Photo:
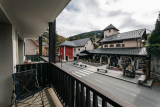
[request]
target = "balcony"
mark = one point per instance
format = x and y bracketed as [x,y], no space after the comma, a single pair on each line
[71,90]
[21,19]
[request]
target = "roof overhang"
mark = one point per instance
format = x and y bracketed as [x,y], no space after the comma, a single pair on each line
[31,17]
[132,51]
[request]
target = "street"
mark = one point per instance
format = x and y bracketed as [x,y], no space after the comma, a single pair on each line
[139,96]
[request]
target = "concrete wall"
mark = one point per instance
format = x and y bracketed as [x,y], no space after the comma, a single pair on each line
[30,47]
[155,64]
[6,64]
[107,33]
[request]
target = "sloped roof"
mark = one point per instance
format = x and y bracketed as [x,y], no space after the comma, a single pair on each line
[81,42]
[110,27]
[68,43]
[75,43]
[121,51]
[126,35]
[86,51]
[35,42]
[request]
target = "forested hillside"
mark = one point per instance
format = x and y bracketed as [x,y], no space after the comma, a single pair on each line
[94,35]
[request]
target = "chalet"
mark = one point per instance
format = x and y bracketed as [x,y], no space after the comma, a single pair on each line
[69,50]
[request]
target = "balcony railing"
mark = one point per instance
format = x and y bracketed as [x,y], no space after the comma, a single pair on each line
[33,58]
[42,71]
[71,90]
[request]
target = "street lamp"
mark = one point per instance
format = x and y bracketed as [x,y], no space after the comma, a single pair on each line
[61,59]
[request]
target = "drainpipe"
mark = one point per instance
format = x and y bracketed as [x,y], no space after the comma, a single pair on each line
[64,53]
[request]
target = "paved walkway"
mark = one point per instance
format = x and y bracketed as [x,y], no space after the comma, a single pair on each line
[111,73]
[115,74]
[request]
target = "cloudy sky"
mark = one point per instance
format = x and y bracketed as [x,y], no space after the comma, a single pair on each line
[87,15]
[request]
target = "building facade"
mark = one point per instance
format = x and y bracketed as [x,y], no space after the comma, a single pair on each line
[113,39]
[70,50]
[66,53]
[81,45]
[66,50]
[118,49]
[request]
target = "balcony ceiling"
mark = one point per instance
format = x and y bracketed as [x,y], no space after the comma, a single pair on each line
[31,17]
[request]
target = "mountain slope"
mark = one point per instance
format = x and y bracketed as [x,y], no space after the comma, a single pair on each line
[94,35]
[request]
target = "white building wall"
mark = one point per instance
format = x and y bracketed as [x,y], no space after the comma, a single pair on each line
[107,33]
[8,59]
[7,62]
[89,46]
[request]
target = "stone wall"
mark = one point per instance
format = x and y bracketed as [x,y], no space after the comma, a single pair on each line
[155,67]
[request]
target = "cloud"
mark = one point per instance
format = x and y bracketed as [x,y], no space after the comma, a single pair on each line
[109,2]
[133,24]
[87,15]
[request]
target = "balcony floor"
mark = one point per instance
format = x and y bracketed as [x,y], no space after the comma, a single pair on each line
[37,103]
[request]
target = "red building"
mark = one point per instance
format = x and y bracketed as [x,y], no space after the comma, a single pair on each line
[66,50]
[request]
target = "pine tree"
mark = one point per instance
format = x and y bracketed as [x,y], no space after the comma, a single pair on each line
[154,41]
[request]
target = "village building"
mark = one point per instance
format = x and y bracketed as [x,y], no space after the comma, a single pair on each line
[32,47]
[66,50]
[70,50]
[118,49]
[81,45]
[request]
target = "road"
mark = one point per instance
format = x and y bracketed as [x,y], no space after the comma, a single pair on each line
[139,96]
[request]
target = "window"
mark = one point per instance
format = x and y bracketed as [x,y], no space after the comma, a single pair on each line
[123,45]
[105,46]
[118,45]
[74,49]
[109,30]
[85,48]
[111,45]
[78,49]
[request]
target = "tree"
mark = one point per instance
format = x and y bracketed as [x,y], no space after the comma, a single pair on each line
[59,39]
[154,40]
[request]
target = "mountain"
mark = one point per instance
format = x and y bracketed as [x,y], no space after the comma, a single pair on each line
[94,35]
